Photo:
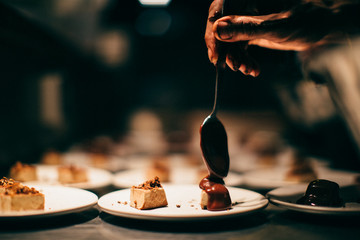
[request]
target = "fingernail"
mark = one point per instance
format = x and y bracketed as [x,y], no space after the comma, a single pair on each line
[223,30]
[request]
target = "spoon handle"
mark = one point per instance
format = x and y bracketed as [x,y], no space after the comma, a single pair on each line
[220,66]
[220,70]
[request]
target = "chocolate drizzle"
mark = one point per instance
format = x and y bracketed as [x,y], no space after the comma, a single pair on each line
[215,154]
[218,195]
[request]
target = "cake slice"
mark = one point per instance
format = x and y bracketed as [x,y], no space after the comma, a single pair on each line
[301,171]
[72,174]
[14,196]
[148,195]
[52,157]
[159,167]
[204,199]
[23,172]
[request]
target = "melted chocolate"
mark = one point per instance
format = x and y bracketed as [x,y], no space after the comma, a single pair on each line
[218,195]
[214,148]
[322,193]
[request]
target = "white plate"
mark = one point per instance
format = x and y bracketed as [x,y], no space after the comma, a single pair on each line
[97,178]
[275,177]
[58,201]
[181,175]
[188,197]
[286,197]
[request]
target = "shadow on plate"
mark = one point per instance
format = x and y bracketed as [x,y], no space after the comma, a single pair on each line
[198,226]
[51,222]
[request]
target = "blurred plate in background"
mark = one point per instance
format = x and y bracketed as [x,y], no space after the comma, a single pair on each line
[134,177]
[271,178]
[97,178]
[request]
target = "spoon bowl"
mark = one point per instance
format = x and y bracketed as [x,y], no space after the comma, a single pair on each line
[213,142]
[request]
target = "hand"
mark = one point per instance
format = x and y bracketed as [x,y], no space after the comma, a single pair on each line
[238,61]
[299,26]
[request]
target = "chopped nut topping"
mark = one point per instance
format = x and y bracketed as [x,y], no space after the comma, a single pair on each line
[150,184]
[11,187]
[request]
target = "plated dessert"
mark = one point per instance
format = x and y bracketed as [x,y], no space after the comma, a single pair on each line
[72,174]
[322,192]
[320,196]
[65,174]
[23,172]
[183,204]
[14,196]
[148,195]
[52,157]
[300,170]
[159,167]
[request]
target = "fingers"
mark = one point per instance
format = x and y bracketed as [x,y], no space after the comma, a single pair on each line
[275,31]
[238,59]
[210,41]
[240,28]
[290,46]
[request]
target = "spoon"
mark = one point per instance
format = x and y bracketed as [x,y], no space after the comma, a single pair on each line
[213,137]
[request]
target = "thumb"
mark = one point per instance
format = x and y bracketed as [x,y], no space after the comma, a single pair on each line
[234,28]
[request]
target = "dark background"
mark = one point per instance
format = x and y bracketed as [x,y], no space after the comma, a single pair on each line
[165,70]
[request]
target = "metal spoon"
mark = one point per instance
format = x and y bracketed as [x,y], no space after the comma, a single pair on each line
[213,137]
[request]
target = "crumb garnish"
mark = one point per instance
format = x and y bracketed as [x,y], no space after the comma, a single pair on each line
[236,203]
[150,184]
[123,203]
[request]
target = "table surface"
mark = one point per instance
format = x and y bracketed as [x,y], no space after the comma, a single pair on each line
[270,223]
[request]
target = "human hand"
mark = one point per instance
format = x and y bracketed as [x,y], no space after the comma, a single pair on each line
[236,54]
[301,25]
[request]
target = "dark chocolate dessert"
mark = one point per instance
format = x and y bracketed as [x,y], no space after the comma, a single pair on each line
[322,193]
